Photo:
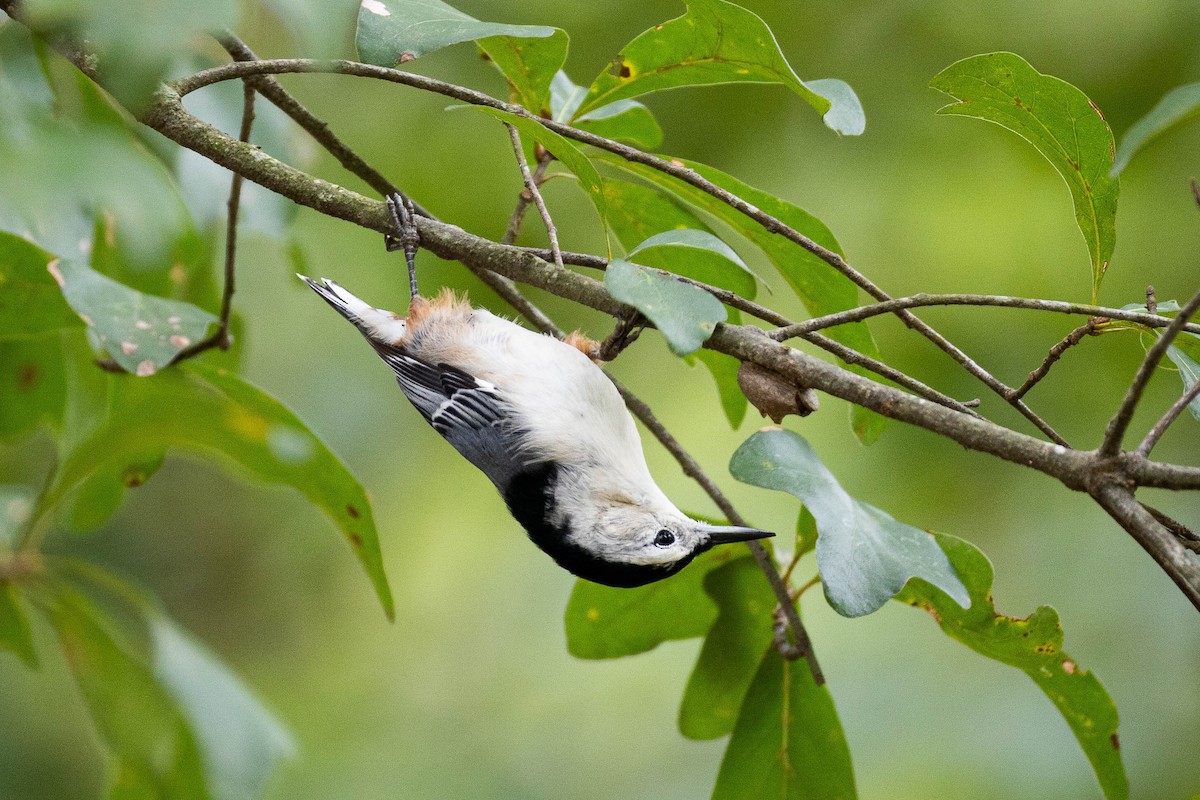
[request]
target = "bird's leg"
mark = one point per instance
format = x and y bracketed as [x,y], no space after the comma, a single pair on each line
[629,327]
[404,235]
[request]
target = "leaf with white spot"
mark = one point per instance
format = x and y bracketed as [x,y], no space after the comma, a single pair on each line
[141,332]
[865,557]
[686,315]
[392,32]
[198,407]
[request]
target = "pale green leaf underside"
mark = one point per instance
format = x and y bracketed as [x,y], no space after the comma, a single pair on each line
[1189,373]
[1179,104]
[394,31]
[625,120]
[864,555]
[1056,118]
[685,315]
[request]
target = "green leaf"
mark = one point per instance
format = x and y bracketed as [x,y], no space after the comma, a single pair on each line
[30,300]
[1034,645]
[392,32]
[625,120]
[607,622]
[732,650]
[199,407]
[1180,104]
[32,387]
[724,370]
[14,627]
[562,149]
[240,741]
[1189,372]
[822,289]
[685,315]
[865,557]
[157,755]
[639,215]
[1056,118]
[806,532]
[141,332]
[788,742]
[529,65]
[716,42]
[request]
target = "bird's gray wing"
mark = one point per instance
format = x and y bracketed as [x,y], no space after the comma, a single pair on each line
[470,413]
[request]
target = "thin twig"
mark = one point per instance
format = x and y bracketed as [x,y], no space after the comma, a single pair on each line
[220,337]
[531,187]
[1184,534]
[1169,417]
[1117,426]
[1000,301]
[524,198]
[1073,338]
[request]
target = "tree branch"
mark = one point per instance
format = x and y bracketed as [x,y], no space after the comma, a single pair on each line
[770,223]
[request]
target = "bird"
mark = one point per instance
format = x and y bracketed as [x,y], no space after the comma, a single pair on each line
[542,421]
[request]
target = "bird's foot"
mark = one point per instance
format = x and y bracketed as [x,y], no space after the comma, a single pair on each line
[629,328]
[405,235]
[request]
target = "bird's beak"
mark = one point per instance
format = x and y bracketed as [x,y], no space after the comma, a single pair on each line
[723,534]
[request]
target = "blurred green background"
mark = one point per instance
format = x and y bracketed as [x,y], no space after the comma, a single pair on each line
[471,693]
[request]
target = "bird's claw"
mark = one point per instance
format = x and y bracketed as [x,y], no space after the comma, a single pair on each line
[405,235]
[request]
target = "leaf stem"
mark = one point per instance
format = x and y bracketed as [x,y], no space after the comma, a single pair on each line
[220,337]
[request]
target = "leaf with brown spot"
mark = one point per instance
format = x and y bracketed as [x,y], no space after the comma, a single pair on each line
[32,388]
[1032,645]
[140,331]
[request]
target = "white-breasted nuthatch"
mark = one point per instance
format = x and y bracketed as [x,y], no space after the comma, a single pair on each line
[547,427]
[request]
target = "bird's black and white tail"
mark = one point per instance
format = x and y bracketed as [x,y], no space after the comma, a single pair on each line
[379,326]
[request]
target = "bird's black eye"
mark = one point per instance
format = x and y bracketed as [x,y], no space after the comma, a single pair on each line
[664,538]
